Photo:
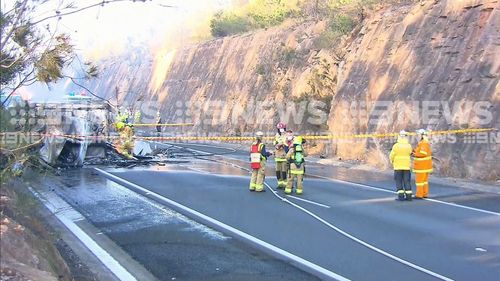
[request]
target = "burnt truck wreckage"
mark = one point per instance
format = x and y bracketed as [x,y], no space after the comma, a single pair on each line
[73,135]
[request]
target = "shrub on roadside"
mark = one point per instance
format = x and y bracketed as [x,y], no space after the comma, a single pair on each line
[256,14]
[224,24]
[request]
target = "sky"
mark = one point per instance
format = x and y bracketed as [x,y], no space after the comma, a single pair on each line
[111,29]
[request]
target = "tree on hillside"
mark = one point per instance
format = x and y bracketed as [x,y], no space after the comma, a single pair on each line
[31,47]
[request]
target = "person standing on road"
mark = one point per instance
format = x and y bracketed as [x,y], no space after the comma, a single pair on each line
[158,123]
[258,159]
[280,155]
[295,157]
[422,164]
[401,160]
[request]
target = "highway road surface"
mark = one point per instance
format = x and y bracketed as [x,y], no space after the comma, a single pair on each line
[346,225]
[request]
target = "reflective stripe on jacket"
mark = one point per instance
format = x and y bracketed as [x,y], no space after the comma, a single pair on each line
[422,161]
[280,144]
[400,154]
[262,150]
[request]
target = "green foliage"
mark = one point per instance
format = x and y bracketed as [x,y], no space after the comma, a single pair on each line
[224,24]
[265,13]
[338,26]
[33,51]
[51,63]
[261,69]
[336,4]
[342,17]
[15,66]
[92,70]
[342,24]
[5,118]
[256,14]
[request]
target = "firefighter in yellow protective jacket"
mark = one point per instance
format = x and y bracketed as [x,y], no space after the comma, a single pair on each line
[422,164]
[125,144]
[280,144]
[296,157]
[258,159]
[401,160]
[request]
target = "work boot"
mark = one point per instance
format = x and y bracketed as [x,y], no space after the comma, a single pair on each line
[408,195]
[401,195]
[281,184]
[278,178]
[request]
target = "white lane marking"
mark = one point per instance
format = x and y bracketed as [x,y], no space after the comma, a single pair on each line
[355,239]
[366,244]
[354,184]
[233,230]
[113,265]
[426,199]
[462,206]
[359,240]
[376,188]
[378,250]
[309,201]
[205,145]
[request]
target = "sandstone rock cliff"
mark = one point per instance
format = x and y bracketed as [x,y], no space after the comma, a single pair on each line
[438,57]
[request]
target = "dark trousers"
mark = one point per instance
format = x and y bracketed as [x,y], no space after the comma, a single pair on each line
[403,183]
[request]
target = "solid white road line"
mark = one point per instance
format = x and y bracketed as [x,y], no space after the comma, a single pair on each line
[462,206]
[366,244]
[309,201]
[354,184]
[201,144]
[361,241]
[193,213]
[392,192]
[381,190]
[113,265]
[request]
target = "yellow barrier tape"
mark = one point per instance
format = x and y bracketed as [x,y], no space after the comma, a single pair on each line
[229,138]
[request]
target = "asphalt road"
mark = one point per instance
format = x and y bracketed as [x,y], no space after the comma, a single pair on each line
[442,190]
[167,244]
[355,230]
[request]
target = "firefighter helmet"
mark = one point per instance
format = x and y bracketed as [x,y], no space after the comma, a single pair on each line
[281,125]
[298,140]
[422,132]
